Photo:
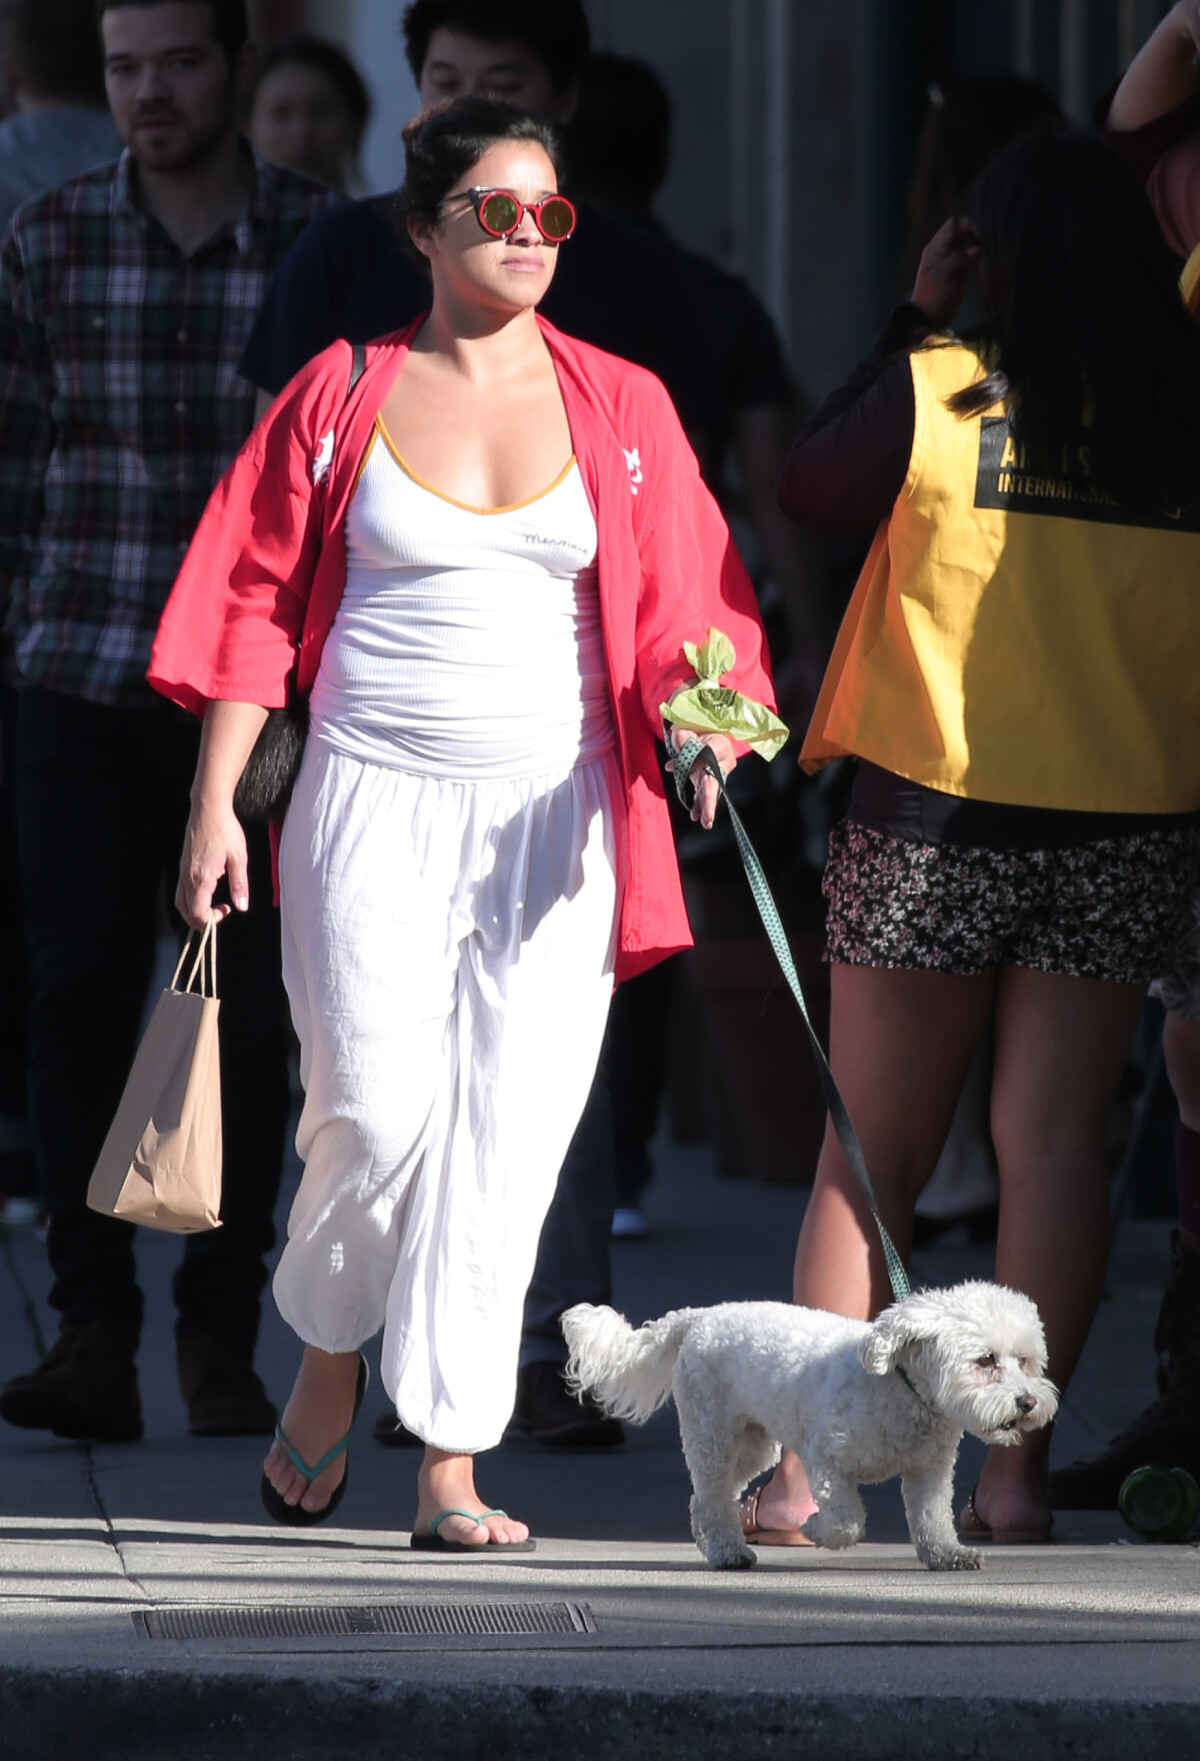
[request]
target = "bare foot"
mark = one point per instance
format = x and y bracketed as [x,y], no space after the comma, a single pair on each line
[447,1482]
[785,1501]
[1011,1493]
[319,1411]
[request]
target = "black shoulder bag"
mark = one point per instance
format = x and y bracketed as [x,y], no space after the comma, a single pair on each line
[265,785]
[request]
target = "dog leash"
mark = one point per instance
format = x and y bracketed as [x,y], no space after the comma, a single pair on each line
[688,756]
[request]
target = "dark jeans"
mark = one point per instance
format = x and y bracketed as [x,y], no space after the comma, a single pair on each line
[102,800]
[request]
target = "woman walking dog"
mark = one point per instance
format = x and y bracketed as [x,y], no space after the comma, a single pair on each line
[1017,676]
[487,556]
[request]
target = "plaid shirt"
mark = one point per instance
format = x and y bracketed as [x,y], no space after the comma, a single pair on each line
[122,405]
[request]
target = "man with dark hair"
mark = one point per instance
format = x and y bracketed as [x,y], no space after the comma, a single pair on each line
[230,26]
[50,62]
[552,34]
[351,276]
[126,297]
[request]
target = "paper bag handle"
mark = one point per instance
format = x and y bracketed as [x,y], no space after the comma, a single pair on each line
[208,943]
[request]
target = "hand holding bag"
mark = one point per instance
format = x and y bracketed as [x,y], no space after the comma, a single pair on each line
[161,1161]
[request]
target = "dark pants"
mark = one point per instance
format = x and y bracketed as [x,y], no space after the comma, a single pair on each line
[573,1261]
[637,1057]
[102,801]
[14,992]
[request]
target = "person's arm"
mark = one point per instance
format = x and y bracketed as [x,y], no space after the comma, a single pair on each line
[214,843]
[692,580]
[761,438]
[1152,121]
[849,461]
[27,430]
[233,621]
[1162,75]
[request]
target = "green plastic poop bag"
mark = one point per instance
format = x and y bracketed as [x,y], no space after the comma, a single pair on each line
[708,707]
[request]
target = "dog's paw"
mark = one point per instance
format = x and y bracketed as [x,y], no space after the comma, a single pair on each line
[952,1559]
[830,1534]
[730,1556]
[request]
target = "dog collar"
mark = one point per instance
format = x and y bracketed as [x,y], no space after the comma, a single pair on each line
[907,1380]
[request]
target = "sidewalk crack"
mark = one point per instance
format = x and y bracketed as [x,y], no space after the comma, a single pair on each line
[91,1474]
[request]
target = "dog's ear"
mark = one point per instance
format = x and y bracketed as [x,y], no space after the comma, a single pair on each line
[879,1349]
[895,1329]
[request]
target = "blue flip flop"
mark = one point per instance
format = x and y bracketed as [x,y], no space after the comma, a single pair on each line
[294,1515]
[435,1543]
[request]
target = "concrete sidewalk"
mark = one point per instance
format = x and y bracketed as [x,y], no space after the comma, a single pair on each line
[614,1638]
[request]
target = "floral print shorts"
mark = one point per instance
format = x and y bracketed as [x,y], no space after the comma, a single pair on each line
[1114,909]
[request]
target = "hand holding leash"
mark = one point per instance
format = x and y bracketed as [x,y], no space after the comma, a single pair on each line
[706,790]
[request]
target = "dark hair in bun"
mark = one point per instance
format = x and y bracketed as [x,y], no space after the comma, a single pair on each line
[446,140]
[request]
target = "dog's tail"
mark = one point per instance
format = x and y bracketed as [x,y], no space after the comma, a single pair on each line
[627,1371]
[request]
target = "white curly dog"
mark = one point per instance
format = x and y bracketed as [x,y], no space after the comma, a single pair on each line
[857,1401]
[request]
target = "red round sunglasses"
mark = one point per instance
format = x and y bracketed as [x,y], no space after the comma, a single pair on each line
[500,212]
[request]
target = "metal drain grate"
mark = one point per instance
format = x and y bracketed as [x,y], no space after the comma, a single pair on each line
[450,1620]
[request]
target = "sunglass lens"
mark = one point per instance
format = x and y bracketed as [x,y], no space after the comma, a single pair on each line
[499,212]
[558,218]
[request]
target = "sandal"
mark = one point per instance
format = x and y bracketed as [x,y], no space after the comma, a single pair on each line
[748,1512]
[294,1515]
[972,1527]
[491,1549]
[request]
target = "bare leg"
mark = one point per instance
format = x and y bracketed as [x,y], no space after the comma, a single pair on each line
[447,1482]
[1181,1048]
[900,1046]
[1061,1044]
[318,1412]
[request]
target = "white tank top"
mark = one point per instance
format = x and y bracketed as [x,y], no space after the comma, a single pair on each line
[468,640]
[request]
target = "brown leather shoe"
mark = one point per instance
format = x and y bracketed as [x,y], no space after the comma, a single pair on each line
[85,1387]
[223,1395]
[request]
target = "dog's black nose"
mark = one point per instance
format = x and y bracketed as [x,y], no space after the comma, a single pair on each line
[1025,1403]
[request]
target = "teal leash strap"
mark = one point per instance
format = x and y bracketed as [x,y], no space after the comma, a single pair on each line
[696,751]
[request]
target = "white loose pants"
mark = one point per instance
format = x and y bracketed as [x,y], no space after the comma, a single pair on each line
[448,953]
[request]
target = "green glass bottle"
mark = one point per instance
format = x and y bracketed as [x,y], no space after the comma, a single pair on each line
[1160,1503]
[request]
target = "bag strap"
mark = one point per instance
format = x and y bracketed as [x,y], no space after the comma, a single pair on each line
[688,756]
[207,945]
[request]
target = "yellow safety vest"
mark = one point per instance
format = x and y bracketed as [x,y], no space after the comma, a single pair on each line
[1015,636]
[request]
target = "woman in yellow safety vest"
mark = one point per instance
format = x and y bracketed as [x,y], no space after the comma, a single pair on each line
[1018,675]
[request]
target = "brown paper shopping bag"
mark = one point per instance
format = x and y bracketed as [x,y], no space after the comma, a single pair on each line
[161,1161]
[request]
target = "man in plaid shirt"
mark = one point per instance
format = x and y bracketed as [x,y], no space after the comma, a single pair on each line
[126,298]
